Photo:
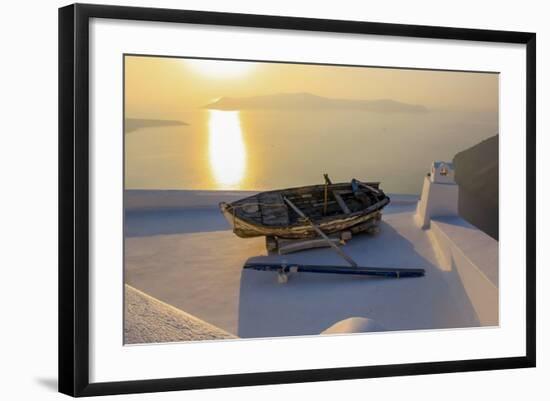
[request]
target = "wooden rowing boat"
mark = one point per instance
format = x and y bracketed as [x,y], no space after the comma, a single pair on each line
[331,207]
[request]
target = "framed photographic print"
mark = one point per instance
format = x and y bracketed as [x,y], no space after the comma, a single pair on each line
[250,199]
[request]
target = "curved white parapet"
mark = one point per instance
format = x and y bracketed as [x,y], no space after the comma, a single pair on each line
[473,255]
[354,325]
[461,248]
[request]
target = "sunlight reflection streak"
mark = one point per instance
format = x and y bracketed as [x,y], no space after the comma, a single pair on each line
[227,149]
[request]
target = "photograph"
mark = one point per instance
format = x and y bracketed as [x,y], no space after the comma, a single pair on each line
[280,199]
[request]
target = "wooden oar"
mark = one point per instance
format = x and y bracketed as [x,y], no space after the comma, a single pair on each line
[321,233]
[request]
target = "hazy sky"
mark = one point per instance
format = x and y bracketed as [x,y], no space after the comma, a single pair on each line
[163,87]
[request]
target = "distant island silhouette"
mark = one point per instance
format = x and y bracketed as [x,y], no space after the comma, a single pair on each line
[309,101]
[134,124]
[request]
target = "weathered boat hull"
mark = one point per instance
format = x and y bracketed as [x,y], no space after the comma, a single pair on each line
[246,228]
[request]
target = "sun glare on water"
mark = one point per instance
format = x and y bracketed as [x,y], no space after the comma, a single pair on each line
[227,150]
[219,69]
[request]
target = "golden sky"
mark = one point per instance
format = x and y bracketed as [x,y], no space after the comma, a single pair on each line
[159,87]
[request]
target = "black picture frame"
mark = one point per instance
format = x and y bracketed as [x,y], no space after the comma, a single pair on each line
[74,198]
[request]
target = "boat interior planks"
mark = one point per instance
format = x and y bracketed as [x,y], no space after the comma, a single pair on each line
[273,209]
[332,207]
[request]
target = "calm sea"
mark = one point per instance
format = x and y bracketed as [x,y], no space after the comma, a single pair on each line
[260,150]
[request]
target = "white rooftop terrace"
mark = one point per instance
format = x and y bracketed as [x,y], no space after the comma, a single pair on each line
[187,256]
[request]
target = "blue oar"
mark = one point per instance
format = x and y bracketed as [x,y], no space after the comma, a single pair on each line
[285,268]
